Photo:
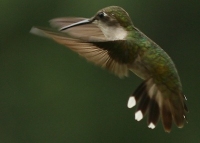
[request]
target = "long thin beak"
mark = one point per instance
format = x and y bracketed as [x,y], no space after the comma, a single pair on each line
[85,21]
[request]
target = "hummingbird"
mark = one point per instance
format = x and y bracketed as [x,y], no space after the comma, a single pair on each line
[110,39]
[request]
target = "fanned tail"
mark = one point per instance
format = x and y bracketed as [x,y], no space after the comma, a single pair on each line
[164,104]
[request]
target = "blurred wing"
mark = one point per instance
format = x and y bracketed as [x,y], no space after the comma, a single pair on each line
[93,49]
[89,29]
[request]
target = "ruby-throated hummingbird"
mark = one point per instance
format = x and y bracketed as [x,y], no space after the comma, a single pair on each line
[110,39]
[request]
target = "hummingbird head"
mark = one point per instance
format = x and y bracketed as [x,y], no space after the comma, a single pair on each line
[113,21]
[114,16]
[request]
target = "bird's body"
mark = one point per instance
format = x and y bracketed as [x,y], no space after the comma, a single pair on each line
[109,39]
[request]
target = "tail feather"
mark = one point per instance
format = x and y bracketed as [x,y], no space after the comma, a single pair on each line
[154,114]
[158,102]
[137,95]
[179,120]
[166,116]
[139,91]
[143,103]
[178,114]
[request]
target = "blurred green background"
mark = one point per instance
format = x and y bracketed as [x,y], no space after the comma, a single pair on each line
[49,94]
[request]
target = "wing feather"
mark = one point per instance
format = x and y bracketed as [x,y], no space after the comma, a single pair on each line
[86,30]
[100,55]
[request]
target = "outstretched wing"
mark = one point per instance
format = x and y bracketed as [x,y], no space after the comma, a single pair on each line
[86,30]
[107,54]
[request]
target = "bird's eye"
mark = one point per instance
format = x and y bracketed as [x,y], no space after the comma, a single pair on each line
[101,14]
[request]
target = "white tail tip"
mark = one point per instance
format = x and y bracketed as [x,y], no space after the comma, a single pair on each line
[151,126]
[138,115]
[131,102]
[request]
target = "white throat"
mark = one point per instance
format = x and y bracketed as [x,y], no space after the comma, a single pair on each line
[112,32]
